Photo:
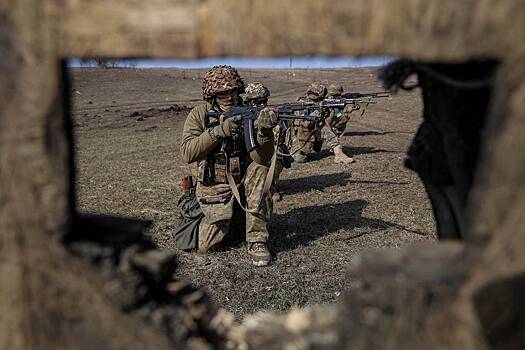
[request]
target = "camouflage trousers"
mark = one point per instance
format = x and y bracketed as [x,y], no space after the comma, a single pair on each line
[306,140]
[219,208]
[279,163]
[282,161]
[331,136]
[279,167]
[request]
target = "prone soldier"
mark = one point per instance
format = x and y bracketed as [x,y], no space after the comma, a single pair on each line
[216,145]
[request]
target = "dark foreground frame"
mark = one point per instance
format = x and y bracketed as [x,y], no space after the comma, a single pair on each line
[49,298]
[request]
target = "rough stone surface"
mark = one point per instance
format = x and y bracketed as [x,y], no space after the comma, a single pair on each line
[139,280]
[440,296]
[452,30]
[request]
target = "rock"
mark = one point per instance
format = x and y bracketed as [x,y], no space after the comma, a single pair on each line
[155,264]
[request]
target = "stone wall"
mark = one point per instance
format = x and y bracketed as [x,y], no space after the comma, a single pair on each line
[49,298]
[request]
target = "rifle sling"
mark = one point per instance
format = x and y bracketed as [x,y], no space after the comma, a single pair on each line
[266,188]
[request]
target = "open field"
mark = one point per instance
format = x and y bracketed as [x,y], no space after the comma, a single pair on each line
[128,124]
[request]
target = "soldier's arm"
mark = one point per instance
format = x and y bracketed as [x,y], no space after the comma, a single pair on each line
[264,151]
[349,108]
[330,119]
[265,125]
[197,141]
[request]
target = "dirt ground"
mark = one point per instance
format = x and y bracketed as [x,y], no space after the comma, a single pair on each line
[128,124]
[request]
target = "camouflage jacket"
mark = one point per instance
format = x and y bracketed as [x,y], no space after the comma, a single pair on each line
[197,142]
[338,118]
[304,123]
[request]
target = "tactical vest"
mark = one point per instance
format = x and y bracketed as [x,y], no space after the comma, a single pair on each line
[212,170]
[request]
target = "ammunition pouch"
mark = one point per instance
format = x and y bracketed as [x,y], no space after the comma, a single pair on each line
[216,202]
[212,170]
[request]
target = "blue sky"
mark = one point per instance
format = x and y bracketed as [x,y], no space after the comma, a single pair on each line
[247,62]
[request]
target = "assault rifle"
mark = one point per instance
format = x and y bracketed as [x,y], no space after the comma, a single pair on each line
[366,94]
[285,112]
[357,99]
[341,103]
[323,106]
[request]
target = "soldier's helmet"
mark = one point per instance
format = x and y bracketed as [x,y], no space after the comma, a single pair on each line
[335,90]
[255,91]
[221,79]
[317,89]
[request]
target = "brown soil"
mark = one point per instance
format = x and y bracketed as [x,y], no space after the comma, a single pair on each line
[128,124]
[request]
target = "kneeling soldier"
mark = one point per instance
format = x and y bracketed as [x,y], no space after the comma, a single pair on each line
[307,134]
[336,125]
[216,145]
[256,95]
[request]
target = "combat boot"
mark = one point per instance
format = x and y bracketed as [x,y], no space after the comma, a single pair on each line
[341,157]
[260,254]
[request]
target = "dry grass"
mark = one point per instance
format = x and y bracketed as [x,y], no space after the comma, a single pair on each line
[128,164]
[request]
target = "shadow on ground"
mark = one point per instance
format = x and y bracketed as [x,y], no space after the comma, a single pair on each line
[374,133]
[314,182]
[322,182]
[366,133]
[301,226]
[351,151]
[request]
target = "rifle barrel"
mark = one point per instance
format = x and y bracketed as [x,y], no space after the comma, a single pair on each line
[367,94]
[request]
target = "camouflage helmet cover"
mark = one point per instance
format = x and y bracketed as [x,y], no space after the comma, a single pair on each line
[317,88]
[221,79]
[254,91]
[335,90]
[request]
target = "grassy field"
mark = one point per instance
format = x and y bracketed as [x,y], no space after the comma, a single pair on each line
[128,124]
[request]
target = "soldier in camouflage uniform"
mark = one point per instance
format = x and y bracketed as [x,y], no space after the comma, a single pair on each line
[309,137]
[256,94]
[205,141]
[335,125]
[307,134]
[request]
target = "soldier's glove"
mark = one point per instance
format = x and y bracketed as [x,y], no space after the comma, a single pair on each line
[230,128]
[266,121]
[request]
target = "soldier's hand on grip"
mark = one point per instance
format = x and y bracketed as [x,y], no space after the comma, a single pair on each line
[266,121]
[230,128]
